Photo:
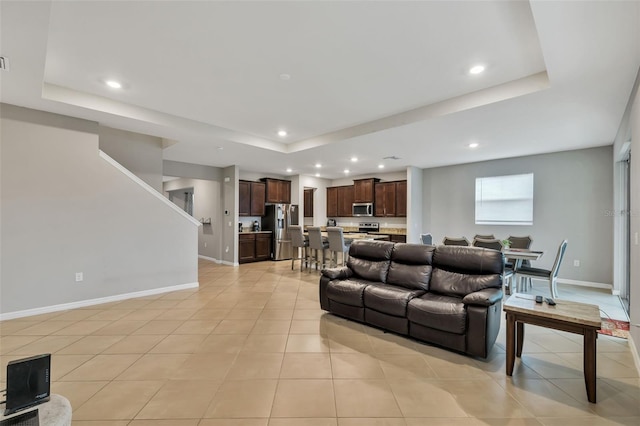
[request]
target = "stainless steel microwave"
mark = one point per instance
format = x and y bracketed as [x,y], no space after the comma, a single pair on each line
[362,209]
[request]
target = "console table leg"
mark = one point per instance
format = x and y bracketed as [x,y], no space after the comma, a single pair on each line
[590,364]
[519,338]
[511,344]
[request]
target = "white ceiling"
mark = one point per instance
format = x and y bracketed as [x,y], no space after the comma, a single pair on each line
[370,79]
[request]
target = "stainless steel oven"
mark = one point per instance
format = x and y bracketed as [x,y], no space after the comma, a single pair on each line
[362,209]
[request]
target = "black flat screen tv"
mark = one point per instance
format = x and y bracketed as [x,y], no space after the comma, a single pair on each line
[28,382]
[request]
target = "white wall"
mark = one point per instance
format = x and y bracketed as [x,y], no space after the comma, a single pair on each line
[572,199]
[140,154]
[635,221]
[66,210]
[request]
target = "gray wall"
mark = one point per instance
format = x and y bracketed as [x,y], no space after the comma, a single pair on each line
[66,210]
[206,204]
[140,154]
[572,195]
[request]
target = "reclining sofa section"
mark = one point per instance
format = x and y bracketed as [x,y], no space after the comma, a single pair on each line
[447,295]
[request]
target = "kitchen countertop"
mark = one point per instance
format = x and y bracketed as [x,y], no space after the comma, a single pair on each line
[255,232]
[385,231]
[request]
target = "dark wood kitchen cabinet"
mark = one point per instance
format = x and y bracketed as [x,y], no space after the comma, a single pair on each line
[345,201]
[244,195]
[246,248]
[385,204]
[332,201]
[308,202]
[257,198]
[339,201]
[251,198]
[278,191]
[263,247]
[363,190]
[401,198]
[391,199]
[254,247]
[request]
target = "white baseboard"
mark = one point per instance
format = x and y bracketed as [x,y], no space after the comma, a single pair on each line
[615,292]
[218,261]
[585,283]
[98,301]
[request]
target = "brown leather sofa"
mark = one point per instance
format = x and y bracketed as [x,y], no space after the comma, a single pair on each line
[450,296]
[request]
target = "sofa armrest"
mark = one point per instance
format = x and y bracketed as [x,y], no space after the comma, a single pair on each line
[486,297]
[337,273]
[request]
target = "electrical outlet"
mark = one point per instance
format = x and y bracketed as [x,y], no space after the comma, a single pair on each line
[576,263]
[79,277]
[226,250]
[205,245]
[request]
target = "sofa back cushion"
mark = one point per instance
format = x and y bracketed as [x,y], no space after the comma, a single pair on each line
[370,259]
[411,266]
[458,271]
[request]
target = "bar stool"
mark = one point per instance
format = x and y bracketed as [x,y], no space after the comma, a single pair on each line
[316,243]
[336,245]
[299,246]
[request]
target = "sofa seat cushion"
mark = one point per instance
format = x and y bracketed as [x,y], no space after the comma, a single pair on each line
[348,292]
[445,313]
[389,299]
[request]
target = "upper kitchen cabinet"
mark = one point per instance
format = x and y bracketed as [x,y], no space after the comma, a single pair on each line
[401,198]
[363,190]
[308,202]
[332,201]
[391,199]
[339,201]
[345,201]
[251,198]
[244,195]
[385,204]
[278,191]
[257,198]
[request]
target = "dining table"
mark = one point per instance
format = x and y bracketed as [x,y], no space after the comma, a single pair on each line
[519,256]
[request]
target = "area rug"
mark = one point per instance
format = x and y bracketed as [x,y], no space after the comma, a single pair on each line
[615,328]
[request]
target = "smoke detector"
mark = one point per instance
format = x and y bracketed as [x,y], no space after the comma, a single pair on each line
[4,63]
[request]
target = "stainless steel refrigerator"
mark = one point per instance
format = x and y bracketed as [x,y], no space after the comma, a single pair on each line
[278,218]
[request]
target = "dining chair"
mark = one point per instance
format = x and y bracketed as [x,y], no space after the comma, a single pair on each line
[519,243]
[485,237]
[317,244]
[335,235]
[451,241]
[490,243]
[426,239]
[300,245]
[495,244]
[550,275]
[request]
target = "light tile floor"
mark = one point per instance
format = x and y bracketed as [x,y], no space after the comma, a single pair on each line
[251,347]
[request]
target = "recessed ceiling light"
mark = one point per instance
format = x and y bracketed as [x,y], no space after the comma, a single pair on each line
[220,148]
[113,84]
[474,145]
[346,170]
[289,170]
[285,77]
[282,133]
[317,174]
[381,166]
[477,69]
[318,165]
[354,159]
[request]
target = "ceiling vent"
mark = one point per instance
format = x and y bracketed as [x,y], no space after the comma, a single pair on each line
[4,63]
[391,157]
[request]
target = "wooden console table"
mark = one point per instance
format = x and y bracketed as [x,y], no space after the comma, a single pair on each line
[574,317]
